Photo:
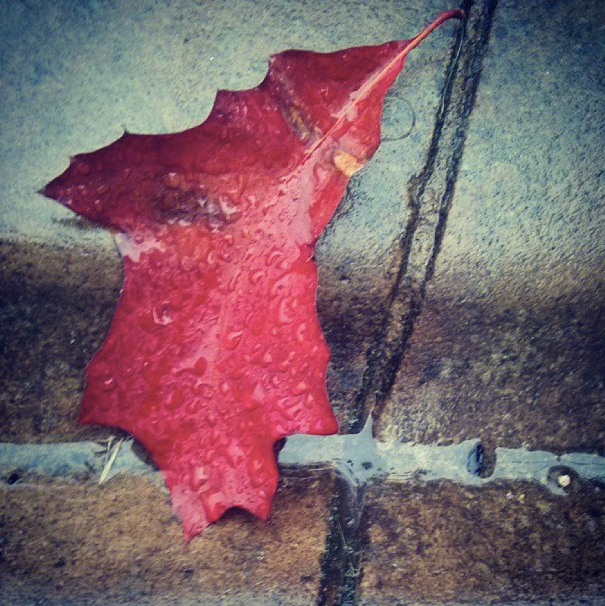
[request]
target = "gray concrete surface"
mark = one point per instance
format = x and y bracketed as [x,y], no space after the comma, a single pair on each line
[510,344]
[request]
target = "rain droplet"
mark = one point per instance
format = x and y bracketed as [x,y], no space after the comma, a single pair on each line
[284,365]
[236,454]
[258,394]
[256,276]
[273,257]
[204,389]
[258,346]
[200,366]
[161,314]
[299,388]
[297,412]
[301,333]
[109,383]
[233,338]
[173,180]
[284,314]
[238,373]
[199,477]
[193,406]
[323,426]
[278,289]
[256,466]
[84,168]
[177,400]
[214,504]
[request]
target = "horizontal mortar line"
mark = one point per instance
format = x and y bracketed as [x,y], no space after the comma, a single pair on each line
[358,457]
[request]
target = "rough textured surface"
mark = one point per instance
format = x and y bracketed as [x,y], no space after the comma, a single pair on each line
[510,543]
[510,344]
[510,368]
[507,345]
[74,543]
[55,307]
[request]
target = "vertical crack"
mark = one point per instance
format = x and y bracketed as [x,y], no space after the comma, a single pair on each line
[430,195]
[341,561]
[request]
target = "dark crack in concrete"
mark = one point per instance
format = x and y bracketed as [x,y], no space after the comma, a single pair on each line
[430,197]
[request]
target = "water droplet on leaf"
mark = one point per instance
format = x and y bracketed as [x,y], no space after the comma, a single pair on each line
[83,168]
[109,383]
[176,400]
[233,338]
[299,388]
[199,477]
[161,314]
[204,390]
[256,276]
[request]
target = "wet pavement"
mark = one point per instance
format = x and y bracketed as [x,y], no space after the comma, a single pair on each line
[461,293]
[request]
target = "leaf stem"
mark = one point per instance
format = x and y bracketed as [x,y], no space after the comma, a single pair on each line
[412,43]
[453,14]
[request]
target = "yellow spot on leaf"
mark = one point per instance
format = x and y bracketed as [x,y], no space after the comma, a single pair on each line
[346,163]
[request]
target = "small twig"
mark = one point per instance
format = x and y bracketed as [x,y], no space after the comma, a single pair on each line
[110,460]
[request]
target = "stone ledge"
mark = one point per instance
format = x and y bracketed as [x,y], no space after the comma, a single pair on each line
[511,542]
[74,543]
[58,303]
[511,367]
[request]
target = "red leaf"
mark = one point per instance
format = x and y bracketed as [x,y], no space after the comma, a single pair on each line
[215,351]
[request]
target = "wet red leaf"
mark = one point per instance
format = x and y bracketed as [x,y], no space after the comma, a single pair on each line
[215,351]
